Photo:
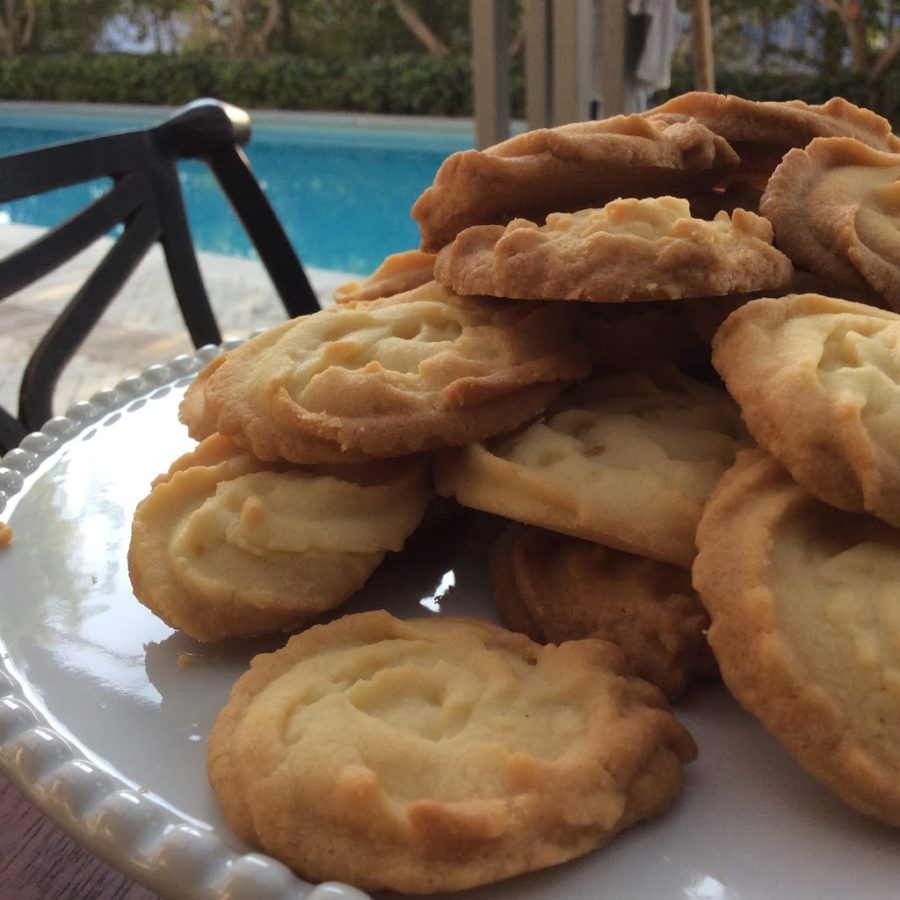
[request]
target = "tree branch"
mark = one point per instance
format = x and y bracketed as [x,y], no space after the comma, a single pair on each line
[411,19]
[263,38]
[853,16]
[30,16]
[888,55]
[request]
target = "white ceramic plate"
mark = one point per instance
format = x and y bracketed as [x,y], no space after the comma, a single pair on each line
[104,711]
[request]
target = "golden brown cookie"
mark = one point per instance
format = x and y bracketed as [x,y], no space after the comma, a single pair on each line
[193,411]
[398,273]
[437,754]
[834,206]
[763,131]
[650,249]
[623,460]
[227,546]
[569,167]
[210,451]
[817,382]
[557,588]
[394,376]
[202,422]
[805,626]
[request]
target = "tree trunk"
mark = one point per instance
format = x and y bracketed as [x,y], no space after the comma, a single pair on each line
[762,51]
[853,17]
[156,28]
[86,29]
[10,28]
[888,55]
[411,19]
[262,40]
[517,44]
[17,26]
[237,28]
[28,29]
[207,25]
[856,37]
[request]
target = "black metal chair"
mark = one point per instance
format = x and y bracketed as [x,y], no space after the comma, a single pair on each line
[146,200]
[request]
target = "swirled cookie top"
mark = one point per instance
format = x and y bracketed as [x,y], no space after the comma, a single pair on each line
[435,734]
[834,206]
[396,375]
[625,460]
[397,273]
[806,625]
[629,249]
[446,702]
[295,512]
[574,166]
[827,572]
[763,131]
[783,122]
[818,383]
[227,546]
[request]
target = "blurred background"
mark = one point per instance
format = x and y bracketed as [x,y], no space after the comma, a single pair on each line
[413,57]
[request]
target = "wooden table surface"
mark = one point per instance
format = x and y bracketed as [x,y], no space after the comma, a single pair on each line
[39,861]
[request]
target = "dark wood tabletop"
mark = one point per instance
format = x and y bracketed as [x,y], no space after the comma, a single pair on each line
[39,861]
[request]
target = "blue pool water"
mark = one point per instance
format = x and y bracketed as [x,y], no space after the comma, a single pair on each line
[343,194]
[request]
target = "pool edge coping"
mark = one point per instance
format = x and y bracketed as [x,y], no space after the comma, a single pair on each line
[266,118]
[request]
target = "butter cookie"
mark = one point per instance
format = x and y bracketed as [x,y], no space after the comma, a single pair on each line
[624,460]
[398,273]
[395,376]
[805,626]
[817,382]
[630,249]
[834,207]
[570,167]
[202,423]
[436,754]
[557,588]
[763,131]
[228,546]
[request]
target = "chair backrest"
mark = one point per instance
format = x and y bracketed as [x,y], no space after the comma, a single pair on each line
[145,199]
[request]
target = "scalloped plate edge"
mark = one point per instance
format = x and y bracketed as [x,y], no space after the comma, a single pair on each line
[121,825]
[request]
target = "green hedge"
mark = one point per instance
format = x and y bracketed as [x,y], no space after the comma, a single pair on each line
[409,84]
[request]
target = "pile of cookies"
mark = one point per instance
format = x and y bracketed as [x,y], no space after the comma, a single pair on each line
[662,347]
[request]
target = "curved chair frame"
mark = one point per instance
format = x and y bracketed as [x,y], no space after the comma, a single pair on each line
[146,200]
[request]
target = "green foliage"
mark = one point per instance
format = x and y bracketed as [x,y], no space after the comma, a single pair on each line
[405,84]
[351,30]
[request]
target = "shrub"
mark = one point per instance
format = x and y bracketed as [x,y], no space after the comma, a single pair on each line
[402,84]
[411,84]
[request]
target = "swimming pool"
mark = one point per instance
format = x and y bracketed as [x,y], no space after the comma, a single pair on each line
[342,186]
